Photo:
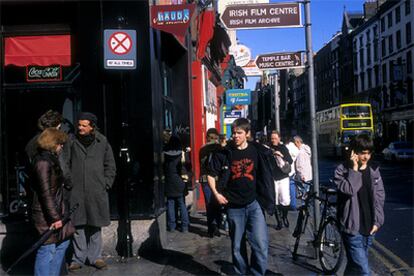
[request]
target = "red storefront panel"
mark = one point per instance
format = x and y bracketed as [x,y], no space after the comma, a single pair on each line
[37,50]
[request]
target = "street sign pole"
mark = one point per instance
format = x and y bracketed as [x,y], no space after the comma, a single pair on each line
[276,95]
[315,168]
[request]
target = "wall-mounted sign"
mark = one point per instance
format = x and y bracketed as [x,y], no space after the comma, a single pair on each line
[256,16]
[120,49]
[279,61]
[43,73]
[238,97]
[251,69]
[231,116]
[241,54]
[173,19]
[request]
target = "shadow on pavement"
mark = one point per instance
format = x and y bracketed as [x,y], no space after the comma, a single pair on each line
[302,261]
[180,261]
[227,269]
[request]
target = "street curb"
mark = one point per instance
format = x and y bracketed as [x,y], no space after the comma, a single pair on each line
[395,265]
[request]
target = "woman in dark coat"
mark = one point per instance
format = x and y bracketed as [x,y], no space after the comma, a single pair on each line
[174,184]
[48,204]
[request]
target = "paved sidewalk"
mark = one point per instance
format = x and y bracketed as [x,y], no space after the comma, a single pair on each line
[194,253]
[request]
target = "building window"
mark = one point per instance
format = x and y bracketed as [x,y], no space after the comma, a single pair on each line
[361,44]
[383,49]
[356,83]
[368,54]
[398,39]
[368,36]
[383,24]
[397,15]
[355,45]
[407,7]
[375,50]
[361,59]
[376,72]
[369,76]
[389,19]
[384,73]
[362,76]
[390,44]
[409,62]
[355,62]
[391,70]
[408,33]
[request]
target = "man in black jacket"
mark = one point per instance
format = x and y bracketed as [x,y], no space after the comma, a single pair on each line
[281,177]
[245,186]
[212,207]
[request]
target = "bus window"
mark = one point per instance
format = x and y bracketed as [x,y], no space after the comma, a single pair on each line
[357,111]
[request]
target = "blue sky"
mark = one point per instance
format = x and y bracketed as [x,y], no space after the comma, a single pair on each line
[326,18]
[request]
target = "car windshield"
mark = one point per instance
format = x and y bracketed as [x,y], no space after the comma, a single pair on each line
[403,145]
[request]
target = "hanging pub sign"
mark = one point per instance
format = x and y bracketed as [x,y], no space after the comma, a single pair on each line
[173,19]
[36,73]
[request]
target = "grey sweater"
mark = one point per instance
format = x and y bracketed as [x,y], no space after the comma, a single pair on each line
[348,183]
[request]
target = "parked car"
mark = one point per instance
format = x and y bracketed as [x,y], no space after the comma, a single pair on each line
[399,151]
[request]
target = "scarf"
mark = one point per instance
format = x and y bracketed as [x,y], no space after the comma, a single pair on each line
[86,140]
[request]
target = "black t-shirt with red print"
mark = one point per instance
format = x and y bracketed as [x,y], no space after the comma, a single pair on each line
[241,189]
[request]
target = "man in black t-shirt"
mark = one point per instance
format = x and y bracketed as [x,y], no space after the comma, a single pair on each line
[245,186]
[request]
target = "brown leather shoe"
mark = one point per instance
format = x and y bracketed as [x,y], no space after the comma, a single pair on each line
[100,264]
[74,267]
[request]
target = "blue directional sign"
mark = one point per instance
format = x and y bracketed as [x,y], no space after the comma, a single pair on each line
[120,49]
[238,97]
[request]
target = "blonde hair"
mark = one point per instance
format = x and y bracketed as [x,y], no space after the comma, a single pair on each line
[50,138]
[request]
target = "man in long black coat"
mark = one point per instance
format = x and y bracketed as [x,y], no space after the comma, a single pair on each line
[93,172]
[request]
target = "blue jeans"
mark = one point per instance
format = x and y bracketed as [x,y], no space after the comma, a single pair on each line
[171,201]
[49,259]
[213,208]
[248,222]
[356,247]
[292,187]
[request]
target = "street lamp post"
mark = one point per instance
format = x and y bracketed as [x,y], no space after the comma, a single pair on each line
[315,167]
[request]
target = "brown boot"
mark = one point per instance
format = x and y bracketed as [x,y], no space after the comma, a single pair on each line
[74,266]
[100,264]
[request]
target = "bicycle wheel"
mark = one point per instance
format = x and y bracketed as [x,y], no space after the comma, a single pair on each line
[331,249]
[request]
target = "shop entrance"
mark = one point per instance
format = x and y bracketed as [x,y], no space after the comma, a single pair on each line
[20,110]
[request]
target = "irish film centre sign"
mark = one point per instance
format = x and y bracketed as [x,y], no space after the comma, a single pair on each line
[279,61]
[256,16]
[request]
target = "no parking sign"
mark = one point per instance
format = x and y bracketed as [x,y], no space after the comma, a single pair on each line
[120,49]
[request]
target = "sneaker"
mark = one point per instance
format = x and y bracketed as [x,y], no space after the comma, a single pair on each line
[74,267]
[100,264]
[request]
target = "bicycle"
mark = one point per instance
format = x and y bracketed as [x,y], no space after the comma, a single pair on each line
[327,240]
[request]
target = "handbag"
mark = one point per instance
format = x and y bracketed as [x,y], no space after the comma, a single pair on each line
[283,165]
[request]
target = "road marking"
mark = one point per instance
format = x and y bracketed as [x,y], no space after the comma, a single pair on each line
[386,263]
[395,265]
[403,209]
[391,255]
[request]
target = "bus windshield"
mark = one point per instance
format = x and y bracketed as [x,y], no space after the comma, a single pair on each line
[348,134]
[356,111]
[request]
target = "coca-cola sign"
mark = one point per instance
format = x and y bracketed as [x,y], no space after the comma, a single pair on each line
[43,73]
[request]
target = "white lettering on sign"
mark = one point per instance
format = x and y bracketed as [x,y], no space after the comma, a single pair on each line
[239,13]
[277,11]
[120,63]
[48,72]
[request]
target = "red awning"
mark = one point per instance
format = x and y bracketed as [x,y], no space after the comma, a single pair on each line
[206,31]
[37,50]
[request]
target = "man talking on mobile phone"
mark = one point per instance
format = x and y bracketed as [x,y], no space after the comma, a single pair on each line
[360,207]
